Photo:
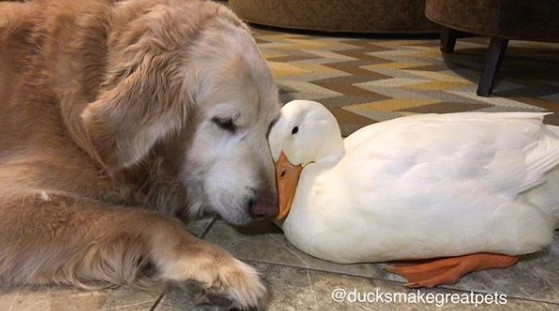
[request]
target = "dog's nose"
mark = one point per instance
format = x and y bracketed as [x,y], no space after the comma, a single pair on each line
[263,206]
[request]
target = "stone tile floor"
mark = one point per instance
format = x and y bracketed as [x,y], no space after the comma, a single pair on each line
[299,282]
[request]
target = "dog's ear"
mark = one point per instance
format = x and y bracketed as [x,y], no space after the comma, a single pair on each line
[142,101]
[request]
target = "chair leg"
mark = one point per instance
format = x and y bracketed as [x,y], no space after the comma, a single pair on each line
[448,39]
[495,55]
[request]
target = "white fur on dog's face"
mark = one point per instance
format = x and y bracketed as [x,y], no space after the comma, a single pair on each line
[228,166]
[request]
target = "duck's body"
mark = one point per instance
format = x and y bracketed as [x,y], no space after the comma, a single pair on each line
[423,186]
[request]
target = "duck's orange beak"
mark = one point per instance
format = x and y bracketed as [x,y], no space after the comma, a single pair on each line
[287,176]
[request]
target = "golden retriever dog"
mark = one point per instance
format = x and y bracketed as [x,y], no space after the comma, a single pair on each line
[117,116]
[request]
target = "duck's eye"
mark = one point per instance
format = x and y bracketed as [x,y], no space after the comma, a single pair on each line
[225,124]
[295,130]
[282,173]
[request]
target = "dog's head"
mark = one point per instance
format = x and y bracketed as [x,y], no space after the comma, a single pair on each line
[188,75]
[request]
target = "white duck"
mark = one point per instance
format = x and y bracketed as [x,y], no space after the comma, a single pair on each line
[482,186]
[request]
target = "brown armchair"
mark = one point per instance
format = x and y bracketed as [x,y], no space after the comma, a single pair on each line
[360,16]
[501,20]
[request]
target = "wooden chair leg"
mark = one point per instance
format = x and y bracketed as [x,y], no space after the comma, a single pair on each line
[448,39]
[495,55]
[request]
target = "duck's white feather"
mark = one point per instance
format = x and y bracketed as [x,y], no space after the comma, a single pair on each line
[509,151]
[432,185]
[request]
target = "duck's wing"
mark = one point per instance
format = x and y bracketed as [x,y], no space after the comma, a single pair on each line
[507,152]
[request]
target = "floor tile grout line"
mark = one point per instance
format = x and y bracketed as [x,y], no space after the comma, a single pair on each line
[156,303]
[392,281]
[320,270]
[208,228]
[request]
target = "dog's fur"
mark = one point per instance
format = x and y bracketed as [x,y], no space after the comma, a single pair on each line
[115,115]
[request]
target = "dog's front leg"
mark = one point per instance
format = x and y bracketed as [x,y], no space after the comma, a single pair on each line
[51,239]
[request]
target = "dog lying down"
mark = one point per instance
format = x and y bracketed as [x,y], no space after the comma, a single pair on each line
[117,116]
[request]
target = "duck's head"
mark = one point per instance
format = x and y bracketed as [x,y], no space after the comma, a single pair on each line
[306,132]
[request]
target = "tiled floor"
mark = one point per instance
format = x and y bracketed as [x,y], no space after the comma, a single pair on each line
[367,80]
[299,282]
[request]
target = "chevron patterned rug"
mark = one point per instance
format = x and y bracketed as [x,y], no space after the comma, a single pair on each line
[364,81]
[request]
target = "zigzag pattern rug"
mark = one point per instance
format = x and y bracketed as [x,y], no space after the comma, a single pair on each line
[365,80]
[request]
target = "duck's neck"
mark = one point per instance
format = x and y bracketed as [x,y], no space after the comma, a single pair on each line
[310,182]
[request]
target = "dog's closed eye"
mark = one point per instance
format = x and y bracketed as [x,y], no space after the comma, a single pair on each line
[226,124]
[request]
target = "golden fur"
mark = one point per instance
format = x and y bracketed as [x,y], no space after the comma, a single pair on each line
[116,115]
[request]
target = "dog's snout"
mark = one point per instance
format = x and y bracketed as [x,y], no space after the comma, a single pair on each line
[263,206]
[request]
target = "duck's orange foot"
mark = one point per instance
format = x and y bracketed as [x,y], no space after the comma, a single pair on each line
[449,270]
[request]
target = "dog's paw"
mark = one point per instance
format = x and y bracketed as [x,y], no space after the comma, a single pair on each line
[228,284]
[238,283]
[219,273]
